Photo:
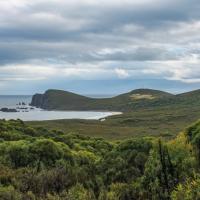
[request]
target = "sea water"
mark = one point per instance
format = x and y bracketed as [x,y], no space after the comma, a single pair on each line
[40,115]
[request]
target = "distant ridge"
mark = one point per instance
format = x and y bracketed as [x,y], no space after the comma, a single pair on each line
[135,99]
[63,100]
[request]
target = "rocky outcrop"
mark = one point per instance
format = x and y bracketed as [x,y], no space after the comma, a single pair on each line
[44,100]
[8,110]
[37,100]
[58,100]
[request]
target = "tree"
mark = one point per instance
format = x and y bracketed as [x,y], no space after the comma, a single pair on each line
[45,151]
[9,193]
[78,192]
[18,154]
[190,190]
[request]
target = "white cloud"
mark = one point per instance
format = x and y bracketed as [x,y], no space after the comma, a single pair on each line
[122,73]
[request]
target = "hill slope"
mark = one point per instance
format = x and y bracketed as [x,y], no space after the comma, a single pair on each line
[145,112]
[131,101]
[61,100]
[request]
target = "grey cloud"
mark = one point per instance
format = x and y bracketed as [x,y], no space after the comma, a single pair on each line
[47,32]
[105,19]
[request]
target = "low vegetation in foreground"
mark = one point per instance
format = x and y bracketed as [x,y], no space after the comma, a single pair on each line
[38,164]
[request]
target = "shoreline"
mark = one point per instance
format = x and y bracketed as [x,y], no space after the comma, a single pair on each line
[45,115]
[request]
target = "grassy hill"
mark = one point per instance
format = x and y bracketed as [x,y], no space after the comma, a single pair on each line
[61,100]
[136,99]
[150,112]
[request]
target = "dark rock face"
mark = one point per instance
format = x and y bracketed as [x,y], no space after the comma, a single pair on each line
[40,101]
[8,110]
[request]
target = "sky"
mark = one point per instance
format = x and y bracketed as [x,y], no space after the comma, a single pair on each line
[99,46]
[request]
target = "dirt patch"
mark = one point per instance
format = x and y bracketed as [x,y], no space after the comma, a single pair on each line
[142,96]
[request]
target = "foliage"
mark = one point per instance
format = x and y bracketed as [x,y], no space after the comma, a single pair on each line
[38,164]
[190,190]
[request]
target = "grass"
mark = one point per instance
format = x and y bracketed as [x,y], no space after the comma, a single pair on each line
[165,122]
[164,115]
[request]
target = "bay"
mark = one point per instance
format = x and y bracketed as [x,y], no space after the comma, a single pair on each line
[36,114]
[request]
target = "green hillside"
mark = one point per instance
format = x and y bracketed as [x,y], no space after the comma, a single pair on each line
[145,112]
[128,102]
[61,100]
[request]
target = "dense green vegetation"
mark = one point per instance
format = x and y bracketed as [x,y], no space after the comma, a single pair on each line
[36,163]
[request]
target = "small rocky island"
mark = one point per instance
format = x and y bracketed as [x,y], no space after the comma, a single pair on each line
[21,104]
[20,107]
[8,110]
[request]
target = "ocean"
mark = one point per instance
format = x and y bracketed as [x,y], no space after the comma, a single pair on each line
[36,114]
[11,100]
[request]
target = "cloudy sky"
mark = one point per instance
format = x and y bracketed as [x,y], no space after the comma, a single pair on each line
[99,46]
